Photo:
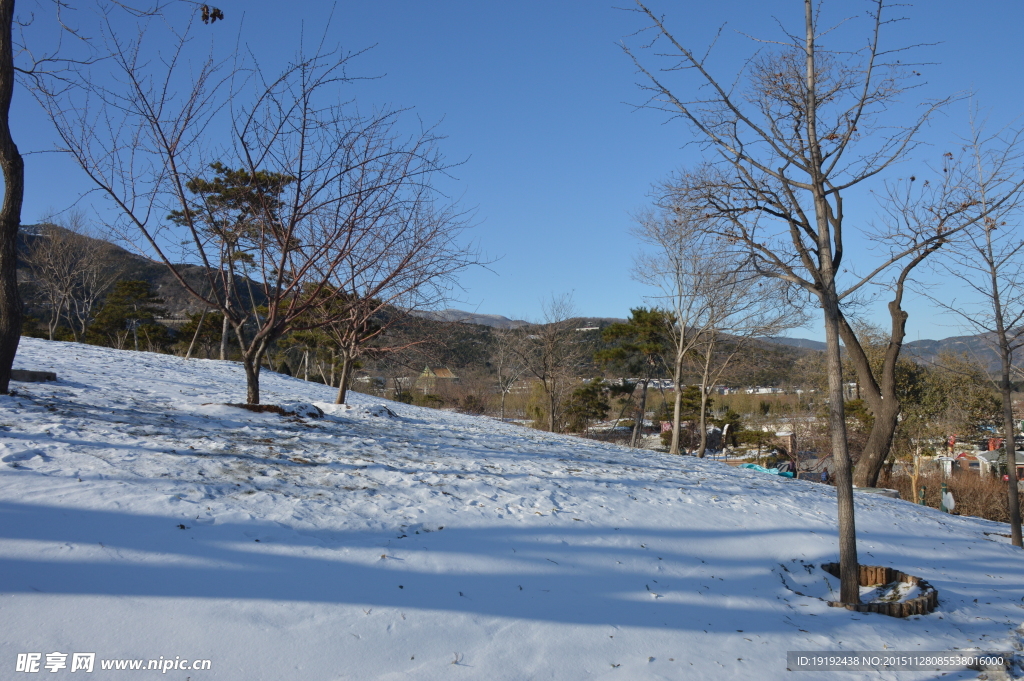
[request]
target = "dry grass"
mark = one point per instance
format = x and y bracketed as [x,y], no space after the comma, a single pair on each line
[975,495]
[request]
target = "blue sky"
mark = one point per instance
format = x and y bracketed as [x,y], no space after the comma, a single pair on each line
[536,99]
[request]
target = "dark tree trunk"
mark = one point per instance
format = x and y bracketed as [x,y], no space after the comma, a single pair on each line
[1005,387]
[551,409]
[252,378]
[849,590]
[346,370]
[13,168]
[879,442]
[880,397]
[252,361]
[825,288]
[1009,447]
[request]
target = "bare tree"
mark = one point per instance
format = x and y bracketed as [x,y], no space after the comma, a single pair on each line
[989,262]
[508,361]
[53,258]
[364,331]
[710,290]
[553,354]
[684,268]
[285,212]
[410,264]
[799,130]
[67,265]
[918,219]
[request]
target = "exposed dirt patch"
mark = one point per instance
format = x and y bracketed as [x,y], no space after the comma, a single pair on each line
[302,410]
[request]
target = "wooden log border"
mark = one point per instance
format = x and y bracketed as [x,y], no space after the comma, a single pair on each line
[876,575]
[32,376]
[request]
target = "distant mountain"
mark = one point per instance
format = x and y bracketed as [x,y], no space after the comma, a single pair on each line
[177,301]
[979,347]
[497,321]
[803,343]
[599,322]
[493,320]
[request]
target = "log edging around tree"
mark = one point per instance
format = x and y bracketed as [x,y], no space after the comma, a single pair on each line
[877,575]
[32,376]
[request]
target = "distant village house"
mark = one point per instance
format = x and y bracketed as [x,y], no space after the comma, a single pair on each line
[429,380]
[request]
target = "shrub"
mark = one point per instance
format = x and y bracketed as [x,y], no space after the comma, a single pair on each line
[430,400]
[976,495]
[471,404]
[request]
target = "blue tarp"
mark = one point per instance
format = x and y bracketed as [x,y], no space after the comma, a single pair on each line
[773,471]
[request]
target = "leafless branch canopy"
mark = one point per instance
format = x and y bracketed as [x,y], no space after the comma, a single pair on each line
[709,288]
[273,182]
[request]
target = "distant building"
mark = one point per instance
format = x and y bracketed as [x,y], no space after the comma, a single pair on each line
[429,379]
[763,390]
[990,462]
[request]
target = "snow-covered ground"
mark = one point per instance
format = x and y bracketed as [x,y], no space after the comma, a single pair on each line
[141,517]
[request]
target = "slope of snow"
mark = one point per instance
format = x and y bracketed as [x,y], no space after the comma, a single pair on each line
[142,517]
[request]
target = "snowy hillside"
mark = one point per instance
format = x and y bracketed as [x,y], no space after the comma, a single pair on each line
[142,518]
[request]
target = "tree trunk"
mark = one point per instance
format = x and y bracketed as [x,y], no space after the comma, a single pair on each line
[704,380]
[74,327]
[638,424]
[199,327]
[346,369]
[251,362]
[1009,446]
[677,411]
[551,409]
[54,320]
[224,334]
[240,337]
[880,396]
[849,591]
[1006,359]
[703,420]
[825,288]
[13,167]
[879,443]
